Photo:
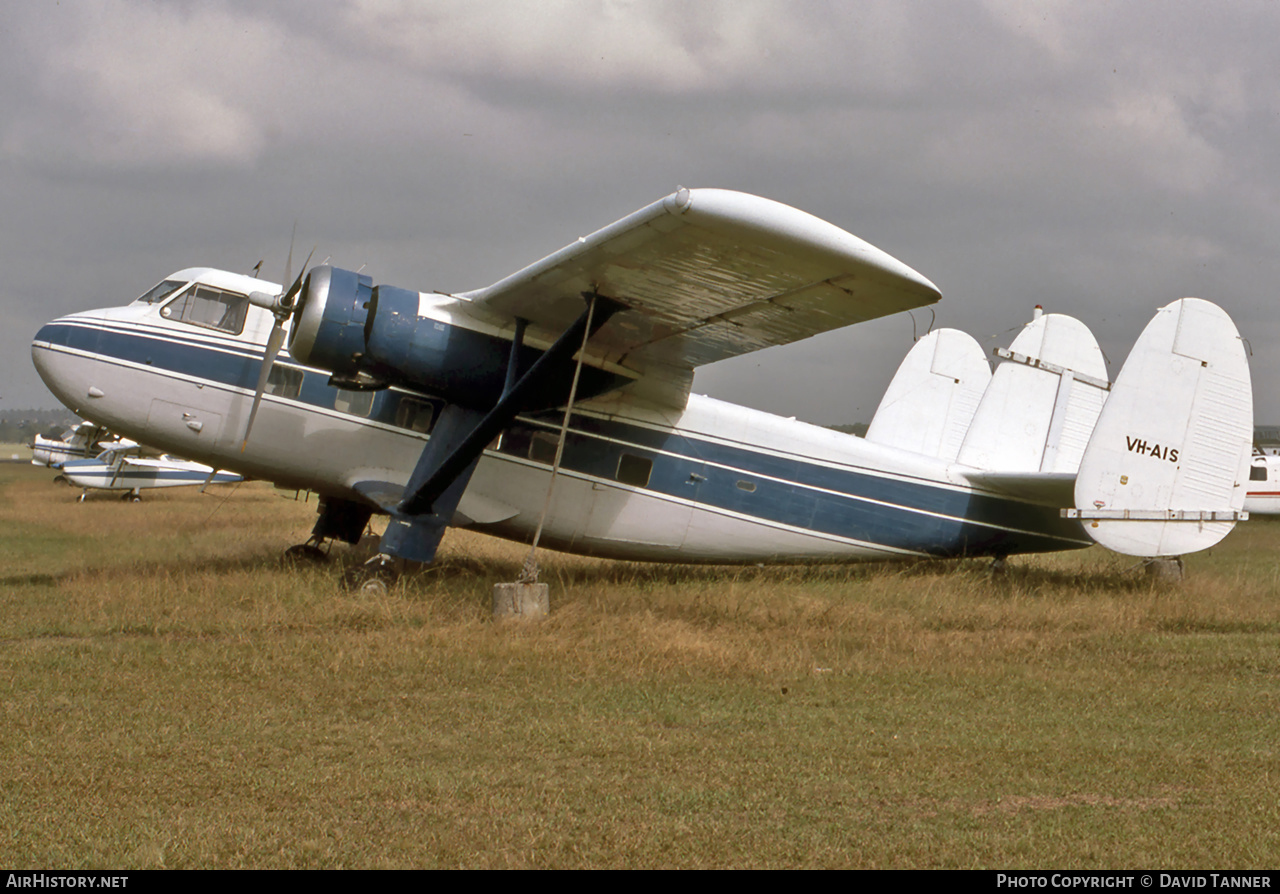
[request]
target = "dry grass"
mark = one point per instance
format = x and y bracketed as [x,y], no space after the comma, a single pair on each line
[171,696]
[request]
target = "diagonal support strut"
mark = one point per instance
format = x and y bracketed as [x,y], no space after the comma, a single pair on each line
[422,496]
[461,435]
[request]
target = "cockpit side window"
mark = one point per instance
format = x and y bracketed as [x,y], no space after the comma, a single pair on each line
[158,293]
[209,307]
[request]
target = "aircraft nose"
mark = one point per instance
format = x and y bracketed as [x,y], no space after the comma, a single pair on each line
[58,356]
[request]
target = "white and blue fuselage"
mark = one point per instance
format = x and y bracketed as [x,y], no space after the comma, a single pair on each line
[712,482]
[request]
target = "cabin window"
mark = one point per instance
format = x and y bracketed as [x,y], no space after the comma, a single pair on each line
[284,381]
[357,403]
[634,470]
[415,415]
[158,293]
[542,447]
[748,486]
[209,308]
[1258,473]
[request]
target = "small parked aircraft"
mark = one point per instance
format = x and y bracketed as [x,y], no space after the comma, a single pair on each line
[120,467]
[94,458]
[440,409]
[77,442]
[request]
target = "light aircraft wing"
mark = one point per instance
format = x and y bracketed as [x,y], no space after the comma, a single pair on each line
[707,274]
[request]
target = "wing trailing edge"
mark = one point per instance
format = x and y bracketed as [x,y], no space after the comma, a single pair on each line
[706,274]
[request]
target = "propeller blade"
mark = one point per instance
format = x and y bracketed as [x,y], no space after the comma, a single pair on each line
[274,341]
[288,261]
[291,295]
[283,309]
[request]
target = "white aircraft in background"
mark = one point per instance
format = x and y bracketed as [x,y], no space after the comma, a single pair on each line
[92,457]
[77,442]
[120,467]
[1263,495]
[440,409]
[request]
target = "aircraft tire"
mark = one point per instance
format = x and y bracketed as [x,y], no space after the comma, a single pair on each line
[372,579]
[304,554]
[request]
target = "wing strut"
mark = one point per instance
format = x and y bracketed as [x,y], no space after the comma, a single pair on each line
[461,435]
[529,573]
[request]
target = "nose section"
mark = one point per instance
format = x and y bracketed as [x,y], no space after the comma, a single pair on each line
[58,351]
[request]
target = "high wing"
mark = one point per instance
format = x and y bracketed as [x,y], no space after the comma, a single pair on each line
[706,274]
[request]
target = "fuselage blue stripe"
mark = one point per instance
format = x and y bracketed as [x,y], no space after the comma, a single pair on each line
[915,515]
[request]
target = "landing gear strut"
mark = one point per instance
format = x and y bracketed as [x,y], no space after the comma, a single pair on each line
[339,520]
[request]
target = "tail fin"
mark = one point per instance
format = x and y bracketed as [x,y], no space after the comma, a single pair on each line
[1043,400]
[1166,470]
[929,404]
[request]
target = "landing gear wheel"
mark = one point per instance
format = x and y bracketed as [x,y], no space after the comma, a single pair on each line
[305,554]
[374,578]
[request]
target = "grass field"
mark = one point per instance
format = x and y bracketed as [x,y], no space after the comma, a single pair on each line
[171,697]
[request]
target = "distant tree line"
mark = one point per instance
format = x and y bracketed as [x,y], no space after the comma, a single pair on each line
[21,426]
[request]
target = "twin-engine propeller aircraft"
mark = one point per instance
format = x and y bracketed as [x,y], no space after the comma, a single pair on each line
[441,409]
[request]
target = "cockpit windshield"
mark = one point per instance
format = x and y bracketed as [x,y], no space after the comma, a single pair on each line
[209,308]
[160,292]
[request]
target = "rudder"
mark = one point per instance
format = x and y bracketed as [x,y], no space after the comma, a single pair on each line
[1166,470]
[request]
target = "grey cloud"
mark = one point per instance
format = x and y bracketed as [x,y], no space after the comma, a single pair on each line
[1100,159]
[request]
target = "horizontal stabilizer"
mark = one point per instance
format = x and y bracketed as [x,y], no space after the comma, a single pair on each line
[932,398]
[1043,400]
[1048,488]
[1165,472]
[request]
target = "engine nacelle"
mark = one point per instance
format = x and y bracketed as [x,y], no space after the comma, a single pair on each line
[329,324]
[372,336]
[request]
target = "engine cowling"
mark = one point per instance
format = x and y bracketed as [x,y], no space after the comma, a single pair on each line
[329,323]
[373,336]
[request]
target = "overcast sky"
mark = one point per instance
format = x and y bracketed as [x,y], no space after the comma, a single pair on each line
[1101,159]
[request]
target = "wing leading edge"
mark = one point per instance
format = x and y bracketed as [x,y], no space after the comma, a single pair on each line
[707,274]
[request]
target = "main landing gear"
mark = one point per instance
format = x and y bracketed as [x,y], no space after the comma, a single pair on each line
[338,520]
[129,496]
[309,553]
[374,578]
